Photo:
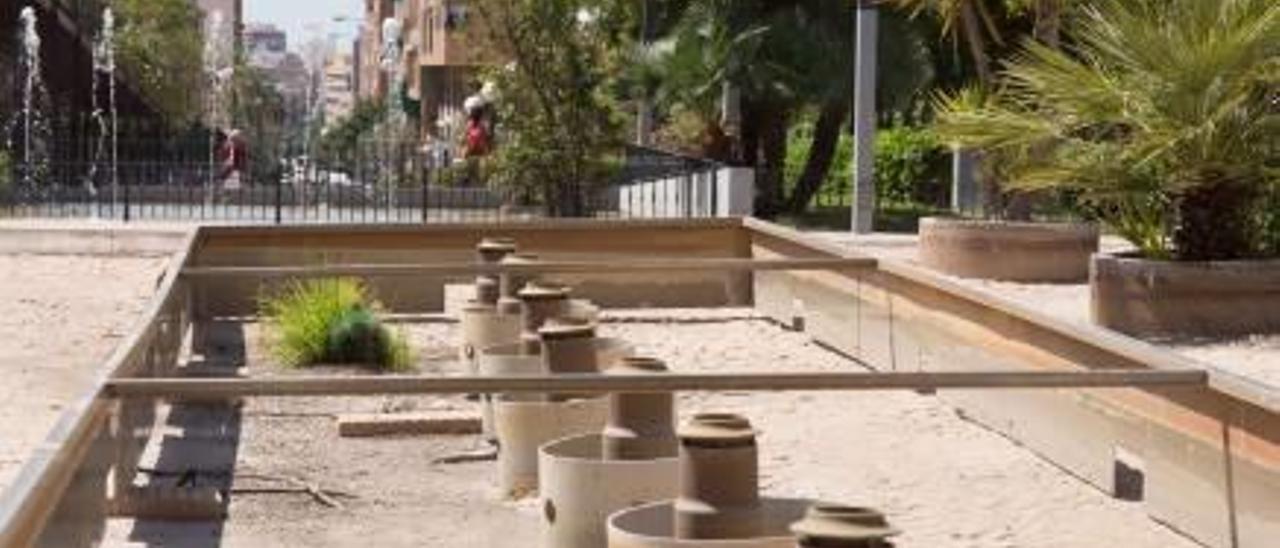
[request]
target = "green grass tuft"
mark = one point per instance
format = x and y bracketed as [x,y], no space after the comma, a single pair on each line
[331,321]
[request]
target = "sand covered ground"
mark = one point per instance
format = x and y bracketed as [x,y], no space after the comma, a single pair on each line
[945,481]
[62,316]
[1256,357]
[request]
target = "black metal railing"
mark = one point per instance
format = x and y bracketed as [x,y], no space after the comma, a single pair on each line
[378,182]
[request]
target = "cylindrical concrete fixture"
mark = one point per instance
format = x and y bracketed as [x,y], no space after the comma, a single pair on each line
[505,359]
[484,327]
[540,303]
[839,526]
[491,251]
[719,480]
[641,426]
[486,290]
[567,348]
[510,284]
[651,526]
[583,311]
[580,490]
[523,426]
[510,359]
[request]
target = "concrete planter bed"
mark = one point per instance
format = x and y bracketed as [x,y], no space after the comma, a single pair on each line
[1149,298]
[1005,250]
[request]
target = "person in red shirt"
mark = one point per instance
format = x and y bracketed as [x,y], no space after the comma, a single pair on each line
[234,156]
[478,142]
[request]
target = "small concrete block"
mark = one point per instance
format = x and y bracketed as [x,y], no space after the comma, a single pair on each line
[408,424]
[169,503]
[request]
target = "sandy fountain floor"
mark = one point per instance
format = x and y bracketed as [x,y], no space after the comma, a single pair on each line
[60,318]
[945,481]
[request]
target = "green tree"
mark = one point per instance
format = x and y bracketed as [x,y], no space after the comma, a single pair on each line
[160,50]
[259,113]
[560,127]
[339,144]
[1163,118]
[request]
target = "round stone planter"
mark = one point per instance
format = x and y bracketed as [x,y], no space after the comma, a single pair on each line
[1010,251]
[1150,298]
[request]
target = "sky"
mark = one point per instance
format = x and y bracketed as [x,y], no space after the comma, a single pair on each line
[302,19]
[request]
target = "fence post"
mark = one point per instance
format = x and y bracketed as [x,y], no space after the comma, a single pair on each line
[127,214]
[426,188]
[279,190]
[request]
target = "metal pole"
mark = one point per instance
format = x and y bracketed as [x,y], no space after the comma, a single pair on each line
[964,184]
[188,388]
[864,117]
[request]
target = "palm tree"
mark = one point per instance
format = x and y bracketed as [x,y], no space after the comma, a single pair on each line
[968,21]
[1163,118]
[783,57]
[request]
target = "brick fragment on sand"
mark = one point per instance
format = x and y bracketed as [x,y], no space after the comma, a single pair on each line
[169,503]
[408,424]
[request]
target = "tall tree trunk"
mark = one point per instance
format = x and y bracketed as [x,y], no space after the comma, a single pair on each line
[1048,26]
[972,29]
[746,153]
[773,154]
[822,150]
[1215,222]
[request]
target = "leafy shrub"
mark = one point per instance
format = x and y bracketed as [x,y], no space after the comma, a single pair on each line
[331,320]
[800,139]
[1270,223]
[910,166]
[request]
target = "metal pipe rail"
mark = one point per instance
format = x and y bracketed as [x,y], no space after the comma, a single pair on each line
[549,267]
[180,389]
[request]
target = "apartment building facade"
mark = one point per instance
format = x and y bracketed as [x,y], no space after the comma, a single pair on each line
[442,51]
[339,87]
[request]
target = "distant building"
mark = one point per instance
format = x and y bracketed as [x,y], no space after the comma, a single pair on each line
[338,87]
[373,81]
[357,58]
[232,15]
[266,48]
[441,53]
[451,54]
[265,45]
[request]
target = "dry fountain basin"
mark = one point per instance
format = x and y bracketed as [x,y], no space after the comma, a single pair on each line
[524,422]
[583,479]
[718,504]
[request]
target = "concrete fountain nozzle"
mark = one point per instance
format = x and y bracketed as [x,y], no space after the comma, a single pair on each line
[510,283]
[839,526]
[491,251]
[641,425]
[717,501]
[541,302]
[719,480]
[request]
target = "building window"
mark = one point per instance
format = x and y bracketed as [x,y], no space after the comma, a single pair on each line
[455,15]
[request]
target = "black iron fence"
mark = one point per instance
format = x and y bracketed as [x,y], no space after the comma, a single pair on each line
[380,182]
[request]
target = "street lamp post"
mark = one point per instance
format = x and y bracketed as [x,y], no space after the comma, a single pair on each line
[864,117]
